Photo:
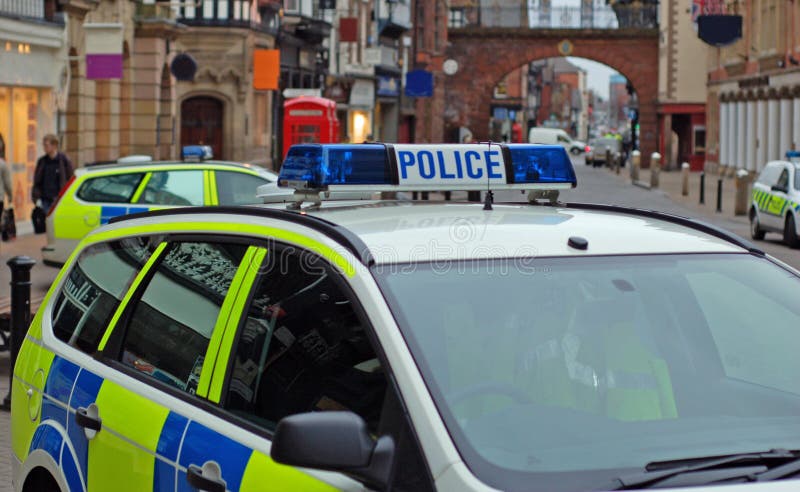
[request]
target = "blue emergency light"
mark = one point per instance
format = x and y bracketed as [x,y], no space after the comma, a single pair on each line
[196,152]
[420,167]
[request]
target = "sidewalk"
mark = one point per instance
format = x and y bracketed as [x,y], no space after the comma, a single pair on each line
[670,183]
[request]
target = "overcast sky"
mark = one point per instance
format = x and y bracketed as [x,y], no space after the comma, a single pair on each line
[597,74]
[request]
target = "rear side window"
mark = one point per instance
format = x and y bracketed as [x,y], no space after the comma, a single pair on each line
[797,178]
[117,188]
[171,325]
[96,284]
[174,188]
[237,188]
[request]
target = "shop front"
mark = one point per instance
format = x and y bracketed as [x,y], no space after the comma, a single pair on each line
[28,98]
[361,111]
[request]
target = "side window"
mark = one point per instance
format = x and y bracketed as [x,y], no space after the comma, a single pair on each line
[174,188]
[117,188]
[302,347]
[797,178]
[783,179]
[563,139]
[94,288]
[237,188]
[171,325]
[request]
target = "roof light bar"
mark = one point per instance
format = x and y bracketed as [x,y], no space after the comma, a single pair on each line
[415,167]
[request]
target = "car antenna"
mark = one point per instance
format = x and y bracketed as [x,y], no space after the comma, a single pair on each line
[487,202]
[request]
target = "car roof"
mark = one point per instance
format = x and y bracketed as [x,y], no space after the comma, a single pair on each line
[152,165]
[411,231]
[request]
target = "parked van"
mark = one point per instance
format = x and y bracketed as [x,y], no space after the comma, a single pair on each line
[555,136]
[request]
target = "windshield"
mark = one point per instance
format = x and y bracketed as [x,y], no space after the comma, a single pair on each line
[565,372]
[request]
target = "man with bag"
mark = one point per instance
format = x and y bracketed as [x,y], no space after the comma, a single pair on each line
[53,170]
[9,229]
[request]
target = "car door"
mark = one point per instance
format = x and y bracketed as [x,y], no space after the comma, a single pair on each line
[158,379]
[91,291]
[97,199]
[302,344]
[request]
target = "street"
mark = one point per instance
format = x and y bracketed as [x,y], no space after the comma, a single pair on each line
[596,185]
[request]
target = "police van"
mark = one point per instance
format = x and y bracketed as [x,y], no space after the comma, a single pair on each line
[775,203]
[412,346]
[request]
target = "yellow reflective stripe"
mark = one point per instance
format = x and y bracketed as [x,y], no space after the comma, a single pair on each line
[211,188]
[129,294]
[138,193]
[220,327]
[226,344]
[131,429]
[281,477]
[236,228]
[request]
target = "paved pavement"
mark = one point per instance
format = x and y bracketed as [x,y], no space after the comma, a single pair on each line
[594,185]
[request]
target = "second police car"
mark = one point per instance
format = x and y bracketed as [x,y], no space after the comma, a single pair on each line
[412,346]
[776,200]
[136,184]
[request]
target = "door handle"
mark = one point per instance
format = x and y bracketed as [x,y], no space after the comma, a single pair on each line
[207,478]
[85,419]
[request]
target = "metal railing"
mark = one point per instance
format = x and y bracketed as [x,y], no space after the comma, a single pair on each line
[24,9]
[590,16]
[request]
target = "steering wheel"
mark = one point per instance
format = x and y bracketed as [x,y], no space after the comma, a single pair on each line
[489,388]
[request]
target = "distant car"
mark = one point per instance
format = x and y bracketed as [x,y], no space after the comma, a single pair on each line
[137,184]
[775,204]
[556,136]
[596,150]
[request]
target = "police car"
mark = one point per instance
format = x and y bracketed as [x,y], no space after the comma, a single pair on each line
[136,184]
[412,346]
[776,200]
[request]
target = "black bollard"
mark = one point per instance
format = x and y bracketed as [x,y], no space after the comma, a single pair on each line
[702,188]
[719,195]
[20,312]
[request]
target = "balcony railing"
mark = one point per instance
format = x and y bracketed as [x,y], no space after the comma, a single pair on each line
[231,13]
[591,16]
[30,10]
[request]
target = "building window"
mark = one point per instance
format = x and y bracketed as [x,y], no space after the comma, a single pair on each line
[699,139]
[456,18]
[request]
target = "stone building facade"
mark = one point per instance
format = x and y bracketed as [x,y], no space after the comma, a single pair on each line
[753,100]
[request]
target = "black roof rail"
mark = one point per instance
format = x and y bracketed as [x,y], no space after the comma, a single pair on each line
[675,219]
[340,234]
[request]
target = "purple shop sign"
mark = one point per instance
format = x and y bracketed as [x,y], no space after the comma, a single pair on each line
[104,66]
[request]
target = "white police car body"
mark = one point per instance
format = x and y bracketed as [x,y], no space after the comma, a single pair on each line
[775,205]
[429,346]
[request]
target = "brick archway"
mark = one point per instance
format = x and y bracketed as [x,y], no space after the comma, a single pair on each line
[485,56]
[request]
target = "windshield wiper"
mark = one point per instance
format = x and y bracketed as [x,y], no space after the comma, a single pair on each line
[657,472]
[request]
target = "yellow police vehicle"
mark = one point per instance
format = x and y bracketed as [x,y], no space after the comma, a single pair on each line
[776,200]
[137,184]
[412,346]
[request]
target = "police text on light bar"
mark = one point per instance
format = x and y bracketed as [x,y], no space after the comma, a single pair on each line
[415,167]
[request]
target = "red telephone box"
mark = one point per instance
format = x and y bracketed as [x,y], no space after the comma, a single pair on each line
[309,119]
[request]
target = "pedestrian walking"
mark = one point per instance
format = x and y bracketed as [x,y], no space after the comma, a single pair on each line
[53,170]
[6,188]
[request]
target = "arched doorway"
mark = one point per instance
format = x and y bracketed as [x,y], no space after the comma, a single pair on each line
[201,123]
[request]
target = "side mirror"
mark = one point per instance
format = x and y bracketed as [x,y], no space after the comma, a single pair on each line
[779,188]
[336,441]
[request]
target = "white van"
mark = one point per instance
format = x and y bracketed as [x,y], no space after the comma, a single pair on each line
[555,136]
